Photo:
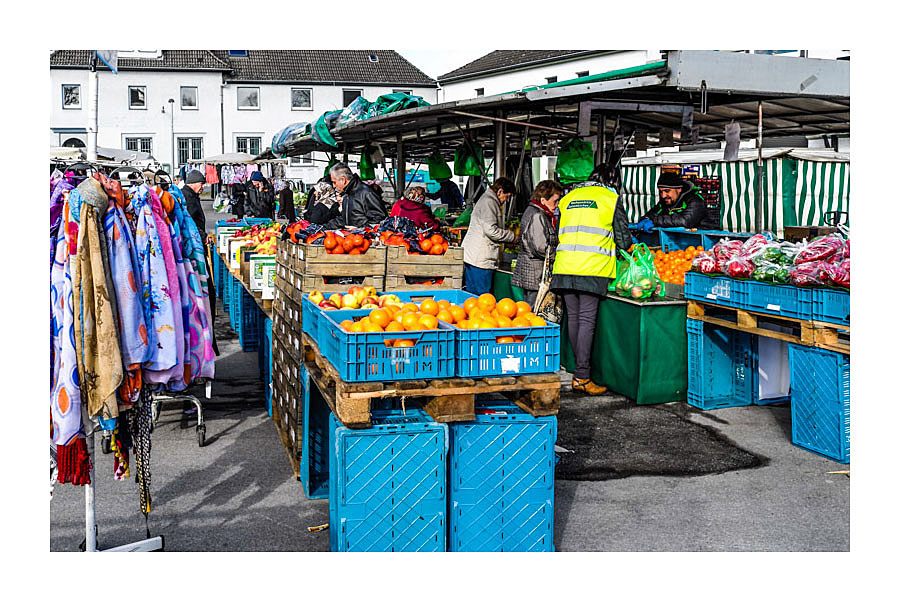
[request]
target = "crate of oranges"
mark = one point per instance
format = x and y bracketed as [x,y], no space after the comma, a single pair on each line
[495,338]
[673,265]
[437,259]
[397,341]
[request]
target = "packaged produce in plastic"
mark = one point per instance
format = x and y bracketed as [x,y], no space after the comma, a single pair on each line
[837,273]
[810,273]
[704,262]
[739,267]
[819,249]
[724,250]
[768,271]
[640,279]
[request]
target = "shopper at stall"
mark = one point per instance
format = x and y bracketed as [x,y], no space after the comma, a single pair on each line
[324,210]
[286,203]
[680,205]
[538,233]
[360,205]
[592,227]
[260,197]
[194,182]
[481,246]
[448,194]
[414,207]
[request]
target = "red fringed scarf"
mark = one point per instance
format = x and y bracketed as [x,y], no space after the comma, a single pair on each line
[549,213]
[74,463]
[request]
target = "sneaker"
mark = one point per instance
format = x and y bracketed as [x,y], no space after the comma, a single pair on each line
[587,386]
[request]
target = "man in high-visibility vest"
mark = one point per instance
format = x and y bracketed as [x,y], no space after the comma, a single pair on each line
[592,226]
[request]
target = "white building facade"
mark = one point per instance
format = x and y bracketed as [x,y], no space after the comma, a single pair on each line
[217,104]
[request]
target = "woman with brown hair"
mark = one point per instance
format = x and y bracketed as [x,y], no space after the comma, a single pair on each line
[538,232]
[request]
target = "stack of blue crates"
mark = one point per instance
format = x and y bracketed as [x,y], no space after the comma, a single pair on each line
[820,401]
[314,443]
[722,367]
[264,358]
[501,469]
[388,484]
[247,320]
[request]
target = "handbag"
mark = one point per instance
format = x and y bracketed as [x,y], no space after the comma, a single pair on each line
[548,305]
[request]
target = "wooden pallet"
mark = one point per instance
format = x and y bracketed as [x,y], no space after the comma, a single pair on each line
[401,263]
[399,283]
[292,452]
[445,399]
[812,333]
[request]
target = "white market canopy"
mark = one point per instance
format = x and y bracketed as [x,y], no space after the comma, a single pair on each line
[237,159]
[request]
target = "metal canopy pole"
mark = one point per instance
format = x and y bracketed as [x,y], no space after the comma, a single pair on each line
[93,108]
[499,150]
[400,168]
[759,170]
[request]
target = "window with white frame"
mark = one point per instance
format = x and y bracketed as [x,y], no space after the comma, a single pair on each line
[71,96]
[190,148]
[301,99]
[350,96]
[137,97]
[248,98]
[479,91]
[140,144]
[403,92]
[189,99]
[247,144]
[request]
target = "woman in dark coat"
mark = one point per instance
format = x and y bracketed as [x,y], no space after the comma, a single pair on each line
[324,208]
[286,203]
[537,233]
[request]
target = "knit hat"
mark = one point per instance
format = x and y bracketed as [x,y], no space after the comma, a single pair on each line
[669,179]
[256,177]
[195,177]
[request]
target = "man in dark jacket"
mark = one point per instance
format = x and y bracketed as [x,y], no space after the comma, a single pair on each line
[680,205]
[193,186]
[449,195]
[260,197]
[360,205]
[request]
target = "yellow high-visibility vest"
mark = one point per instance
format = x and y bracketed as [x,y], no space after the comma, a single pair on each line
[586,243]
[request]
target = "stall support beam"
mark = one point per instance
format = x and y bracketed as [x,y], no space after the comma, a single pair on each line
[499,149]
[759,169]
[93,108]
[400,168]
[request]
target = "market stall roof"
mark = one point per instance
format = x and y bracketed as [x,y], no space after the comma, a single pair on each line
[690,90]
[65,153]
[746,155]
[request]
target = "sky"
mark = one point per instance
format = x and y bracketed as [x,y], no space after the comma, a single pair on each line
[439,62]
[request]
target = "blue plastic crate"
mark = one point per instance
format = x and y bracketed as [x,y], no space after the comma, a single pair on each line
[247,321]
[722,367]
[268,334]
[387,489]
[711,237]
[830,305]
[679,239]
[226,290]
[252,221]
[363,357]
[314,444]
[651,239]
[778,299]
[820,401]
[501,469]
[720,290]
[479,355]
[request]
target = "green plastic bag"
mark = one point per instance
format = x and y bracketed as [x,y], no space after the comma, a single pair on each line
[621,266]
[438,169]
[366,164]
[575,161]
[331,161]
[464,219]
[640,279]
[467,164]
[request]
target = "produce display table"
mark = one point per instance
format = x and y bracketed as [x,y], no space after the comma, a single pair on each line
[640,347]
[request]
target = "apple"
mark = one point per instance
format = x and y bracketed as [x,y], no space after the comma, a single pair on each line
[316,297]
[369,291]
[327,305]
[369,306]
[370,301]
[389,300]
[349,301]
[336,300]
[357,292]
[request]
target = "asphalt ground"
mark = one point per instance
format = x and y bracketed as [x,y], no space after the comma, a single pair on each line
[636,478]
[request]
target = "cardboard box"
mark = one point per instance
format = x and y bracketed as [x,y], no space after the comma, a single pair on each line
[257,262]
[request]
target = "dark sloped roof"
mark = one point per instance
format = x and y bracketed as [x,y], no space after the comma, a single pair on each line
[340,66]
[500,60]
[181,60]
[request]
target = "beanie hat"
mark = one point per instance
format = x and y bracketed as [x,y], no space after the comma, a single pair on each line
[669,179]
[256,177]
[195,177]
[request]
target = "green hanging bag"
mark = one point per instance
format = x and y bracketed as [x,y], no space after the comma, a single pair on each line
[438,169]
[366,164]
[467,164]
[575,161]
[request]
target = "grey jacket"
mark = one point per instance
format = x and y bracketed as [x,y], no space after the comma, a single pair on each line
[481,246]
[537,233]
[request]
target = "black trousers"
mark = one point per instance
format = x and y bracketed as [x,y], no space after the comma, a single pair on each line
[581,309]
